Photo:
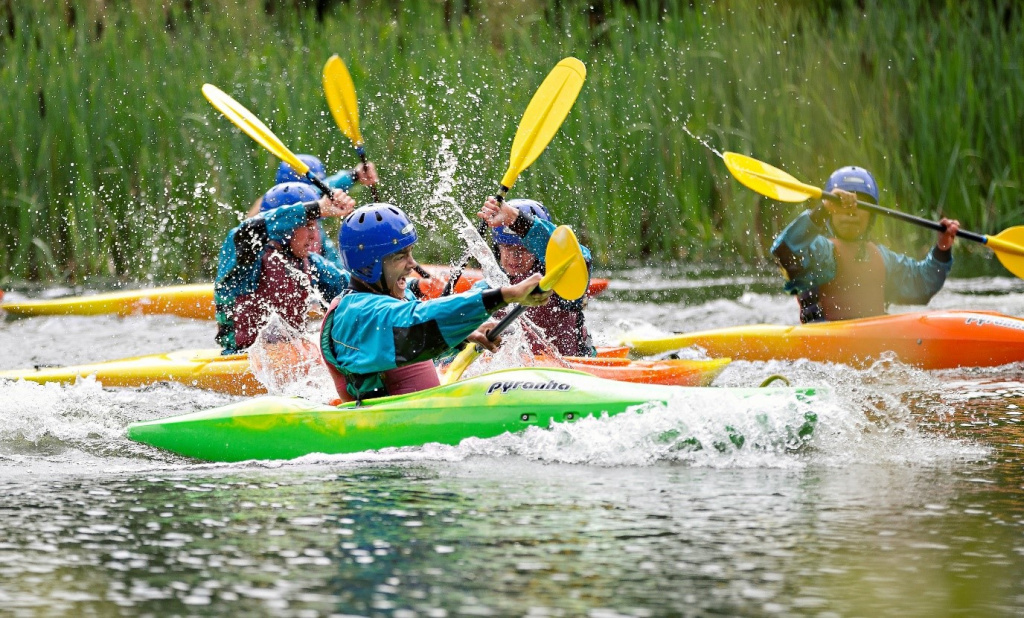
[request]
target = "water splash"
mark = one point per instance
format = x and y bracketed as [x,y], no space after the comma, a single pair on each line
[288,362]
[702,140]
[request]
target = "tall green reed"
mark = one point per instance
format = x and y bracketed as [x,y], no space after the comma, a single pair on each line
[118,167]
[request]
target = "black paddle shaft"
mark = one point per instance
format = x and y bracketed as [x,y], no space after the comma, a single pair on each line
[362,157]
[902,216]
[506,321]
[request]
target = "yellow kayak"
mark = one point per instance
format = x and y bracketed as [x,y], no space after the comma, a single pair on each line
[188,301]
[206,369]
[196,300]
[287,363]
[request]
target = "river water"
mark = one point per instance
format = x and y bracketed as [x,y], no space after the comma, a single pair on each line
[908,500]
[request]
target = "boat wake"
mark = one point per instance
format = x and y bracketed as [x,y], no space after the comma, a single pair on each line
[888,414]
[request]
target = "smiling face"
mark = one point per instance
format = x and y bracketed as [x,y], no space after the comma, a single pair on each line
[397,267]
[516,259]
[305,240]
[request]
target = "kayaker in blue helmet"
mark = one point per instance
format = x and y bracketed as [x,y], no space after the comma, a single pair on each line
[377,339]
[343,180]
[521,230]
[836,273]
[268,264]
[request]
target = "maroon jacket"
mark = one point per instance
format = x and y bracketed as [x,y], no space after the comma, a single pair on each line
[283,289]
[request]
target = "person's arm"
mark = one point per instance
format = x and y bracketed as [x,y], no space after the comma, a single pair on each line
[806,256]
[535,232]
[282,222]
[914,282]
[384,332]
[328,279]
[346,179]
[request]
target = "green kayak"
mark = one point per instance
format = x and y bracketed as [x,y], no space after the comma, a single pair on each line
[484,406]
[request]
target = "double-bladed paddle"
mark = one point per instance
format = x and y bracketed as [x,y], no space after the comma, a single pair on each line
[776,184]
[341,99]
[254,128]
[543,116]
[566,274]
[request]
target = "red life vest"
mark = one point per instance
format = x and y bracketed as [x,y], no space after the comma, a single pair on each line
[858,289]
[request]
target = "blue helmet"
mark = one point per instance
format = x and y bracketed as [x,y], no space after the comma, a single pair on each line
[504,236]
[285,173]
[855,180]
[288,193]
[370,234]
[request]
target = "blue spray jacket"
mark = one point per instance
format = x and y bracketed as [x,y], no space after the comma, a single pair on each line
[238,265]
[808,260]
[366,333]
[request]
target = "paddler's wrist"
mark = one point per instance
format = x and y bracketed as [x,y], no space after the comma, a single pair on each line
[521,225]
[493,299]
[312,210]
[942,255]
[820,215]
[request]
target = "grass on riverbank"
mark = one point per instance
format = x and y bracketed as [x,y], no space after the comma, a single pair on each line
[116,165]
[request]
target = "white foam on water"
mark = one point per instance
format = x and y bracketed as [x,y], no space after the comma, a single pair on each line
[887,414]
[81,426]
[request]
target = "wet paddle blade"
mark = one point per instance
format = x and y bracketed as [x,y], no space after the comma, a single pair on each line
[566,268]
[544,115]
[252,126]
[1009,248]
[341,99]
[767,180]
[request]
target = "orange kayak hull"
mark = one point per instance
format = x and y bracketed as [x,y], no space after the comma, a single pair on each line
[926,339]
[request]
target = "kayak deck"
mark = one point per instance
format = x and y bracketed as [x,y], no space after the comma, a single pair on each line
[483,407]
[926,339]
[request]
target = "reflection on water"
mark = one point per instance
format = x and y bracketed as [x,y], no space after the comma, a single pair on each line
[490,537]
[906,500]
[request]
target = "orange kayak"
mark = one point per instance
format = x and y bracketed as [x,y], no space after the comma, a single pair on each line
[196,300]
[926,339]
[208,369]
[674,372]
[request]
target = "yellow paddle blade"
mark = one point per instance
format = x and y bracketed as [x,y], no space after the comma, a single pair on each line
[566,274]
[566,271]
[252,126]
[1009,248]
[458,366]
[768,180]
[544,115]
[341,99]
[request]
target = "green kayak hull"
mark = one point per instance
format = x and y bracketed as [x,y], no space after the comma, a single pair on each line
[483,407]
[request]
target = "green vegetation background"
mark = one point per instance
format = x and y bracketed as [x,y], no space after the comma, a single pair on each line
[114,165]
